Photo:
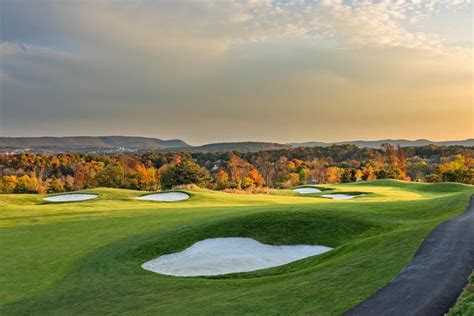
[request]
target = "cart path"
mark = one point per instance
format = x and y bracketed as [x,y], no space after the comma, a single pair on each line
[434,278]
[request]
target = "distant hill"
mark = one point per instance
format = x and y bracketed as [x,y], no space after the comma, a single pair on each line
[77,143]
[239,146]
[393,142]
[110,144]
[122,143]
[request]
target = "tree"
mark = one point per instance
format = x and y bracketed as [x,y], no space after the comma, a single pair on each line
[333,174]
[303,173]
[246,183]
[418,170]
[318,170]
[391,155]
[293,179]
[242,174]
[256,178]
[388,174]
[358,175]
[111,176]
[237,170]
[69,183]
[8,184]
[54,186]
[140,177]
[402,164]
[460,169]
[347,175]
[266,168]
[222,179]
[84,174]
[184,172]
[27,184]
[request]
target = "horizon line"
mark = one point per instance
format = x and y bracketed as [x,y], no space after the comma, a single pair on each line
[254,141]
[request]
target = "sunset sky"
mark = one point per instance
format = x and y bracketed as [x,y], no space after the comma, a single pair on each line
[207,71]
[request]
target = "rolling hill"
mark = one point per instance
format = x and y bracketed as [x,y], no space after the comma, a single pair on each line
[239,146]
[135,143]
[393,142]
[87,143]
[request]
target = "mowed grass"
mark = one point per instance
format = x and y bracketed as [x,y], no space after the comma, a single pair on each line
[85,257]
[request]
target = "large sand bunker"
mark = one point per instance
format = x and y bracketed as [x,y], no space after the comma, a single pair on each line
[229,255]
[340,196]
[165,197]
[307,190]
[70,197]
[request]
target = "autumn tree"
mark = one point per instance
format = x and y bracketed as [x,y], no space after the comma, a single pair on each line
[318,170]
[333,174]
[402,164]
[27,184]
[460,169]
[8,184]
[293,179]
[69,183]
[266,168]
[222,179]
[84,174]
[55,186]
[281,172]
[253,179]
[238,169]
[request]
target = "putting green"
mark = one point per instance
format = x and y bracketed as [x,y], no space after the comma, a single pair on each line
[84,257]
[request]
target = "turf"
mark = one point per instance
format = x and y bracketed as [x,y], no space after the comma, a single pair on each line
[465,303]
[85,257]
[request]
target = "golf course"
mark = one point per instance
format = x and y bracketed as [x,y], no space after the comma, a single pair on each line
[85,257]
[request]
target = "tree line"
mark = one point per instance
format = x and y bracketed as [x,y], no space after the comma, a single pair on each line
[235,171]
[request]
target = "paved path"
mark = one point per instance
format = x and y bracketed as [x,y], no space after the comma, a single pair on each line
[432,281]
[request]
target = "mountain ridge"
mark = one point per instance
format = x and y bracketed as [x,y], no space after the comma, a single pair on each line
[136,143]
[84,142]
[393,142]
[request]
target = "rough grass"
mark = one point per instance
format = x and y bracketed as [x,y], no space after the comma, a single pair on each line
[465,303]
[85,257]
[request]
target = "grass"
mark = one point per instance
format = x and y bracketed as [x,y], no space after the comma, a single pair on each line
[85,257]
[465,303]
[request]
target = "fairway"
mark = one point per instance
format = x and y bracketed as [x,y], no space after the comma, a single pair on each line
[85,257]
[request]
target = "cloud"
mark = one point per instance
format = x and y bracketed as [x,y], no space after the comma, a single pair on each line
[153,68]
[214,27]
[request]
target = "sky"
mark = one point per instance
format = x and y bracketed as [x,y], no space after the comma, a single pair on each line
[213,71]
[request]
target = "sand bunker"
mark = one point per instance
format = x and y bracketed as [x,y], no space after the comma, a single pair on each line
[229,255]
[70,197]
[307,190]
[340,196]
[165,197]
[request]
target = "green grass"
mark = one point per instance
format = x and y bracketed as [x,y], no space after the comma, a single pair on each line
[465,303]
[85,257]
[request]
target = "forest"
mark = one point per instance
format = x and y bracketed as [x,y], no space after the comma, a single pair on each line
[253,172]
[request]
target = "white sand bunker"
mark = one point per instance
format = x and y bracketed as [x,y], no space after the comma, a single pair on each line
[228,255]
[341,196]
[165,197]
[70,197]
[307,190]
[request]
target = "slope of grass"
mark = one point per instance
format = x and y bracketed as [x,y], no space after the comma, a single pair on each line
[85,257]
